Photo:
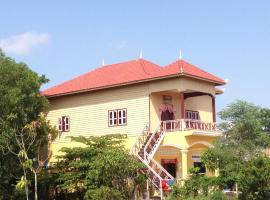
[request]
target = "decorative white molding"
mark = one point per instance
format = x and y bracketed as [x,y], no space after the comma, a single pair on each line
[201,142]
[172,145]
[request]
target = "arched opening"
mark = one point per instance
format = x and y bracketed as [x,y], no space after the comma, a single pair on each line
[195,151]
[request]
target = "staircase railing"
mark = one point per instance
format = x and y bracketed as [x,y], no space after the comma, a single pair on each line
[156,173]
[140,140]
[156,165]
[149,155]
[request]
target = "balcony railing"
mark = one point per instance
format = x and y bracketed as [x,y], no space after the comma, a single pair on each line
[187,124]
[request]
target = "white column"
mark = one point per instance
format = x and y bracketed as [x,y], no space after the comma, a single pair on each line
[184,153]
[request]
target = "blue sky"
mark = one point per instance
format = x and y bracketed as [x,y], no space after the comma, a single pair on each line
[63,39]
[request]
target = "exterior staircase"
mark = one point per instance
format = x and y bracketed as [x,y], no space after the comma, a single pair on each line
[144,149]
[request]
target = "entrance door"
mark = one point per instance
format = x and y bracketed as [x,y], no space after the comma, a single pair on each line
[170,166]
[165,116]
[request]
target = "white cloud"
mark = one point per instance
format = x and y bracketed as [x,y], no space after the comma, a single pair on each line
[24,43]
[120,44]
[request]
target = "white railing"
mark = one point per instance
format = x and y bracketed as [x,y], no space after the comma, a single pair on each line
[153,149]
[187,124]
[156,176]
[156,165]
[155,171]
[140,140]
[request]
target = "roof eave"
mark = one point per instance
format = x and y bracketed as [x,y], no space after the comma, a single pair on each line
[134,82]
[110,86]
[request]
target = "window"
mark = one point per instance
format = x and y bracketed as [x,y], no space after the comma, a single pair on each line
[63,124]
[117,117]
[167,99]
[194,115]
[201,167]
[112,118]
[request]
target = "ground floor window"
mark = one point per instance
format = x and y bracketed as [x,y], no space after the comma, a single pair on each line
[201,167]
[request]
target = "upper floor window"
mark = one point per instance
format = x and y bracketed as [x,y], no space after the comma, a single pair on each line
[167,99]
[193,115]
[64,124]
[117,117]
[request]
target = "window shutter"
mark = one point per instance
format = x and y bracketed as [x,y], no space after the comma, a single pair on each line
[120,117]
[60,124]
[110,118]
[114,117]
[63,124]
[125,116]
[67,123]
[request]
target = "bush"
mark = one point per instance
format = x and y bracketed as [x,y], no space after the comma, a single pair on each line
[197,186]
[218,195]
[104,193]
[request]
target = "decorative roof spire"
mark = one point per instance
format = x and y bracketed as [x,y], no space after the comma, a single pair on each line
[180,63]
[141,55]
[181,70]
[103,62]
[180,55]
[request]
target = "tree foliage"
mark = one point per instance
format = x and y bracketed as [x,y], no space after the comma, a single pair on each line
[101,169]
[197,187]
[23,130]
[246,135]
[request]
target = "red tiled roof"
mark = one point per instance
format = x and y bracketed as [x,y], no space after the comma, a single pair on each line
[128,73]
[185,68]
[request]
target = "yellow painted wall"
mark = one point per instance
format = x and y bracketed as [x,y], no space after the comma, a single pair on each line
[173,87]
[182,84]
[88,112]
[156,99]
[203,104]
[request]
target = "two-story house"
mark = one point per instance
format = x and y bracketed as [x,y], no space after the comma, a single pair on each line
[167,112]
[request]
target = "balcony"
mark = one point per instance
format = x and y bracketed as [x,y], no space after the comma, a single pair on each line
[188,124]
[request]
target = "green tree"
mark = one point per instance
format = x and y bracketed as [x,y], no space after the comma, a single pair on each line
[246,135]
[197,187]
[101,169]
[255,179]
[23,130]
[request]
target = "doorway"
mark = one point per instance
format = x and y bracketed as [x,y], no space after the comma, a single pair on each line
[170,166]
[165,116]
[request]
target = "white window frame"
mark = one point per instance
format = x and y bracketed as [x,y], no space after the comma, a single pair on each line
[121,116]
[117,117]
[192,115]
[112,118]
[64,124]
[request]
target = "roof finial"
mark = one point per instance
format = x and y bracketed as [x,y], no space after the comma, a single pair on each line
[103,62]
[180,55]
[141,56]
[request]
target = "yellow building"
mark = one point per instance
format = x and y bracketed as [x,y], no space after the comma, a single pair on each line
[167,112]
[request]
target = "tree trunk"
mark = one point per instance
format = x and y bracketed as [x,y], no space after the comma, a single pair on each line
[36,195]
[26,185]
